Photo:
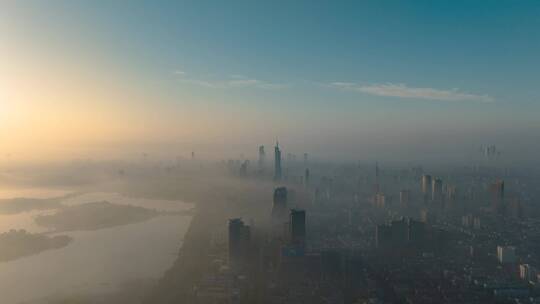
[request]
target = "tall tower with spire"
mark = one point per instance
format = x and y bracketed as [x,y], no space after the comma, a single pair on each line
[277,162]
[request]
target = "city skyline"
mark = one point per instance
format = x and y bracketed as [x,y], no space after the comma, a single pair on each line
[349,80]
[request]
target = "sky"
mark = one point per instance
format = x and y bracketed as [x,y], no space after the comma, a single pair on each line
[351,80]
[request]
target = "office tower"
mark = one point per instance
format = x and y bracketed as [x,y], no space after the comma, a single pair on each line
[244,168]
[515,209]
[279,207]
[467,220]
[436,191]
[239,238]
[528,273]
[262,157]
[380,200]
[497,189]
[451,193]
[306,177]
[477,223]
[404,198]
[277,163]
[376,185]
[426,184]
[497,194]
[298,227]
[305,160]
[506,254]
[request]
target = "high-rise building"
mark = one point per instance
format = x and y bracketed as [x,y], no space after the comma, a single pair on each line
[262,157]
[277,163]
[451,193]
[305,160]
[279,207]
[515,209]
[298,227]
[497,194]
[426,183]
[376,185]
[244,168]
[306,177]
[239,239]
[506,254]
[528,273]
[497,190]
[436,191]
[404,198]
[379,200]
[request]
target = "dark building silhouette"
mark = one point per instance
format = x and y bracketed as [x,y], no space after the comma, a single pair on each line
[262,157]
[436,190]
[277,163]
[298,227]
[306,177]
[279,207]
[497,196]
[376,185]
[417,232]
[244,168]
[497,190]
[239,238]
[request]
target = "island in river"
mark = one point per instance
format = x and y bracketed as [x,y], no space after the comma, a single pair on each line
[93,216]
[15,244]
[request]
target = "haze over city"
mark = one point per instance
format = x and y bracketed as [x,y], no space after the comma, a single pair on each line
[349,80]
[269,152]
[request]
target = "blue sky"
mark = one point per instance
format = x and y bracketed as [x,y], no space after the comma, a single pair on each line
[314,73]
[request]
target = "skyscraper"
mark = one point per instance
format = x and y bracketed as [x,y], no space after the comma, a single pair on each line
[239,238]
[279,207]
[426,183]
[451,193]
[497,189]
[262,157]
[404,198]
[277,163]
[497,192]
[436,191]
[298,227]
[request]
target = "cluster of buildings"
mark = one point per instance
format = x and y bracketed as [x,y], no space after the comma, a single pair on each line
[351,242]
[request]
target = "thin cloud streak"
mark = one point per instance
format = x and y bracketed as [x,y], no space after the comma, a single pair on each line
[403,91]
[233,81]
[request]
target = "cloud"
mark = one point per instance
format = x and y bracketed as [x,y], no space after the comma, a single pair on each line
[232,81]
[403,91]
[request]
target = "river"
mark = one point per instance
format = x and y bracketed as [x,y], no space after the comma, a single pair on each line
[96,261]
